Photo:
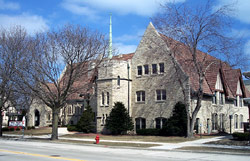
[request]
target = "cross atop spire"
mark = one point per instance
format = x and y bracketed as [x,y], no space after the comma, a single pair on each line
[110,37]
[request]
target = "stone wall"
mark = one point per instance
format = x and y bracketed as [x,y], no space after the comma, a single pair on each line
[152,50]
[109,73]
[223,123]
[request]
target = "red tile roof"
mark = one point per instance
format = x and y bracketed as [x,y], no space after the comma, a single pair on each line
[124,57]
[213,67]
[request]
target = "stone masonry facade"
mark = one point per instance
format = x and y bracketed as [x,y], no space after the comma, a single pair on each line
[146,83]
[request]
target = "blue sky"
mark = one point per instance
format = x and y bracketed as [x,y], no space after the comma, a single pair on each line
[130,17]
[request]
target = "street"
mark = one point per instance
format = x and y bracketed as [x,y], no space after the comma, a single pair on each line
[16,150]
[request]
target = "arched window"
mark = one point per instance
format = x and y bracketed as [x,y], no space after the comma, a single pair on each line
[118,80]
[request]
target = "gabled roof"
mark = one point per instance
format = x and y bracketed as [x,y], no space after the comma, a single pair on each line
[213,67]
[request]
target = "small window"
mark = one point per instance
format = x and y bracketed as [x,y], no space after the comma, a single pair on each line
[161,95]
[140,95]
[118,80]
[107,98]
[161,67]
[154,68]
[146,70]
[139,70]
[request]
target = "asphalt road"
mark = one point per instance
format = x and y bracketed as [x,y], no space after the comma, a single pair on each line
[15,150]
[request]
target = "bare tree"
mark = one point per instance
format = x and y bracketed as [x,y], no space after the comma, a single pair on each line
[13,42]
[60,65]
[189,28]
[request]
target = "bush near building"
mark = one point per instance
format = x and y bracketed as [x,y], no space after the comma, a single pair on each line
[176,125]
[241,136]
[119,120]
[72,128]
[85,124]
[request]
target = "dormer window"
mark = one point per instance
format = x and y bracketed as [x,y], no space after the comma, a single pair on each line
[221,98]
[218,98]
[214,101]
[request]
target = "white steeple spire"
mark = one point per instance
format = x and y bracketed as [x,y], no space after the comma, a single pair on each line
[110,55]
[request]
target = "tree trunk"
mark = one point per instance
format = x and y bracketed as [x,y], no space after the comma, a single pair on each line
[188,125]
[1,123]
[54,135]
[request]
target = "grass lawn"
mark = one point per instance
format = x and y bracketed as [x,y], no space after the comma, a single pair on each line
[107,144]
[38,131]
[160,139]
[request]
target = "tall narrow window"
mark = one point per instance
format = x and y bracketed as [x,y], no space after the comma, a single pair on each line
[236,121]
[214,98]
[161,67]
[140,96]
[154,68]
[107,98]
[103,119]
[222,122]
[139,70]
[241,121]
[241,102]
[146,70]
[161,95]
[221,98]
[214,121]
[118,81]
[103,99]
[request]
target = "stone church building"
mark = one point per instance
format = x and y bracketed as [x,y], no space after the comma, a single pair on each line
[150,82]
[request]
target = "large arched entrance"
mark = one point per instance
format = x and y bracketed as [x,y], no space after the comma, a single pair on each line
[37,118]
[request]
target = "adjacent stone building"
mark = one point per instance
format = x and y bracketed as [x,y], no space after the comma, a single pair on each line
[151,81]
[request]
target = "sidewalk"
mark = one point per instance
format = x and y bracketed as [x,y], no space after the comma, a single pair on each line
[161,146]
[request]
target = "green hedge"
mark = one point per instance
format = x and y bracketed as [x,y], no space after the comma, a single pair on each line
[18,129]
[5,129]
[241,136]
[72,128]
[153,132]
